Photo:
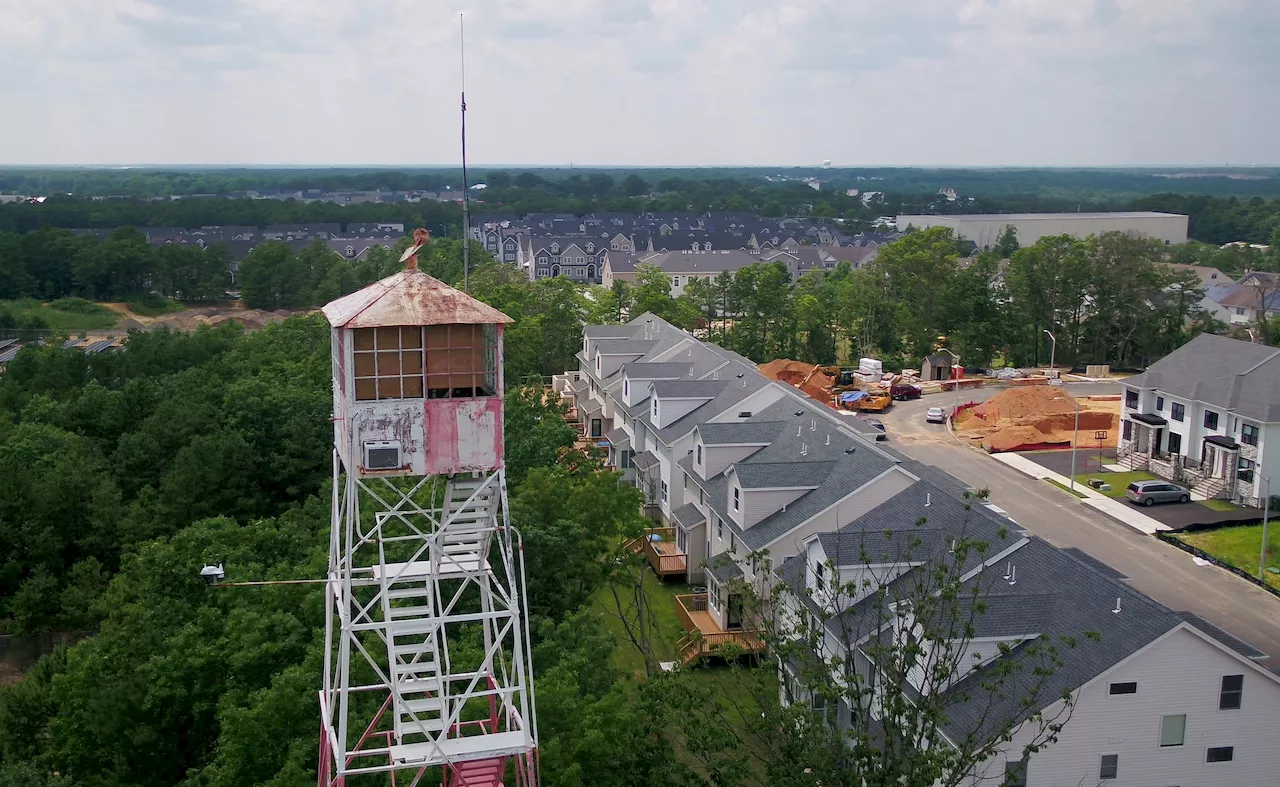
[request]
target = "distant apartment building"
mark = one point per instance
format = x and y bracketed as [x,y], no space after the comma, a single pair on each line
[985,229]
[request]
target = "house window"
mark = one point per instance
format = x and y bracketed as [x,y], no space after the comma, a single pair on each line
[388,363]
[596,427]
[655,407]
[664,491]
[626,388]
[713,594]
[1131,400]
[701,499]
[1159,404]
[736,496]
[1015,774]
[1124,688]
[699,453]
[542,271]
[1249,434]
[733,543]
[675,281]
[685,483]
[1177,412]
[542,259]
[1244,470]
[1110,766]
[626,459]
[1173,730]
[719,529]
[1220,754]
[1232,692]
[1240,310]
[1210,419]
[1175,442]
[555,248]
[1128,430]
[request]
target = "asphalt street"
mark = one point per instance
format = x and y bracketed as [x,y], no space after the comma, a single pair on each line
[1161,571]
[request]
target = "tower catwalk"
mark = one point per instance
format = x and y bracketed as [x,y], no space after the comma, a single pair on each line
[426,670]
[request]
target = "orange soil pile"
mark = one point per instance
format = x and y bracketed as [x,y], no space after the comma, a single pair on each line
[804,376]
[1021,417]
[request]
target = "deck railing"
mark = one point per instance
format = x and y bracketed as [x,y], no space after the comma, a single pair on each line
[663,555]
[699,642]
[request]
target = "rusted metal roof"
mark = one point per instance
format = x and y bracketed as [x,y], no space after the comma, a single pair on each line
[410,297]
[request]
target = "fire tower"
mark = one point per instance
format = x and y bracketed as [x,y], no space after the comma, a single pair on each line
[426,671]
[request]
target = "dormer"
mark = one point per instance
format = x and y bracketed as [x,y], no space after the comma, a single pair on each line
[757,491]
[852,565]
[555,248]
[713,451]
[636,379]
[672,400]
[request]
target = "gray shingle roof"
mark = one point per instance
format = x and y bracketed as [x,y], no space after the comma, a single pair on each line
[618,437]
[687,515]
[649,370]
[782,475]
[723,567]
[1237,376]
[733,391]
[689,389]
[645,461]
[744,432]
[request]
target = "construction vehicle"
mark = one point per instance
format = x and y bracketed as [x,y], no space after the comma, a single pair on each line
[864,401]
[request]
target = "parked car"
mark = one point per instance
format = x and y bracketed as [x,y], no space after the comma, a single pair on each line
[1148,493]
[878,425]
[904,393]
[935,415]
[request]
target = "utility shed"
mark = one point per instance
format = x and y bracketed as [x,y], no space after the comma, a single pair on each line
[935,367]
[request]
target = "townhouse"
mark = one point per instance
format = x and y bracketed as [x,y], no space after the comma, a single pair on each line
[1203,416]
[1158,697]
[752,486]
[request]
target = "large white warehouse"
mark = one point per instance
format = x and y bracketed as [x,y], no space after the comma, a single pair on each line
[985,229]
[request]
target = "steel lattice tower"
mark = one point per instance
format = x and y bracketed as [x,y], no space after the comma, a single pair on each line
[427,669]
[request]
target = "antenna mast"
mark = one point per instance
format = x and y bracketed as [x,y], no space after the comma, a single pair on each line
[466,190]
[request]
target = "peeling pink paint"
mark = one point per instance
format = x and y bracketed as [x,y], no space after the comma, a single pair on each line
[463,435]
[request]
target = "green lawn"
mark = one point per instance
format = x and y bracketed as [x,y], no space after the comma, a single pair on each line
[66,314]
[661,599]
[1065,488]
[1220,505]
[1241,547]
[1118,481]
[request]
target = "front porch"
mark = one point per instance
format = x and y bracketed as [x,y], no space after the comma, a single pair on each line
[1148,445]
[704,636]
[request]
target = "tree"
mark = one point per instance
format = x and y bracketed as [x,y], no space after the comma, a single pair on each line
[633,185]
[652,293]
[877,665]
[1008,242]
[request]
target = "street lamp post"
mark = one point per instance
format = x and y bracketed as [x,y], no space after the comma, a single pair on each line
[1075,438]
[1053,349]
[1266,513]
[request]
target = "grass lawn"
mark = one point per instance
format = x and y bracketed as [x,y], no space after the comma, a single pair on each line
[65,314]
[1240,547]
[1066,488]
[1220,505]
[661,599]
[1118,481]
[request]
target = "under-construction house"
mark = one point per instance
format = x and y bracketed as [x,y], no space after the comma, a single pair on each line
[427,670]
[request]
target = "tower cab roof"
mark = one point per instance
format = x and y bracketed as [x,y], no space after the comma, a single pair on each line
[410,297]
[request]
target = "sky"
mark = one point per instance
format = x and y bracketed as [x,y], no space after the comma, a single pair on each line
[641,82]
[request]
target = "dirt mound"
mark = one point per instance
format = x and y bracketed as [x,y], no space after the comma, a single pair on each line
[1026,402]
[1014,437]
[804,376]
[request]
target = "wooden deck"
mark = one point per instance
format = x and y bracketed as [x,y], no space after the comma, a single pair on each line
[666,559]
[706,638]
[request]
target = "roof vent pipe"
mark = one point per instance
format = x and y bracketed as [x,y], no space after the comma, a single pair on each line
[799,430]
[1008,569]
[804,449]
[1013,575]
[813,424]
[1116,611]
[928,499]
[828,442]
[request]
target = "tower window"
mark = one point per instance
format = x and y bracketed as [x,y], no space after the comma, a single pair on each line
[442,361]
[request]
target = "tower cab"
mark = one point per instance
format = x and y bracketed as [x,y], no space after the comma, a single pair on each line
[417,377]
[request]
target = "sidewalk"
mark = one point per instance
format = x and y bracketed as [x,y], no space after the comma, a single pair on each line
[1116,509]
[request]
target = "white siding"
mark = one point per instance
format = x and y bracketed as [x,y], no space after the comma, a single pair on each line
[759,504]
[716,458]
[1178,674]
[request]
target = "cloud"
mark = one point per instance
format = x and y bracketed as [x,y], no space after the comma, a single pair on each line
[682,82]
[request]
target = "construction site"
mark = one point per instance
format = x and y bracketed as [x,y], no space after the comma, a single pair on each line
[867,389]
[1039,416]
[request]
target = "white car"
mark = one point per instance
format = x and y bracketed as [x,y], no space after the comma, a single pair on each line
[934,415]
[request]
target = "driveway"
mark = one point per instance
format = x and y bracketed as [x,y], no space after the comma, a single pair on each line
[1175,515]
[1161,571]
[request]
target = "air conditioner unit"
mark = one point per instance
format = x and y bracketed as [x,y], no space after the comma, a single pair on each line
[382,455]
